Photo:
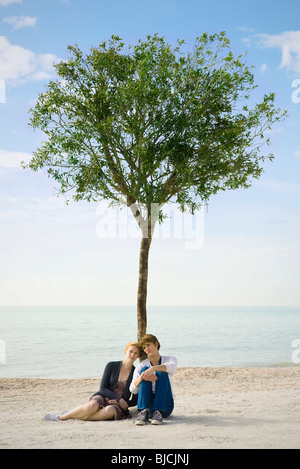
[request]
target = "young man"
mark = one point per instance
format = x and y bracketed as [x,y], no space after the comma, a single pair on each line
[152,381]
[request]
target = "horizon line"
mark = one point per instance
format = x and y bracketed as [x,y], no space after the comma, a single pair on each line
[149,306]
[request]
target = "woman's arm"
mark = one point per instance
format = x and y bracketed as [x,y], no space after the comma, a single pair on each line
[121,403]
[105,383]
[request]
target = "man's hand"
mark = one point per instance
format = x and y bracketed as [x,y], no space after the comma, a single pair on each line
[149,375]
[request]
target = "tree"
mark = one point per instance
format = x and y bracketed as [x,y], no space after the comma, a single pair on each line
[152,124]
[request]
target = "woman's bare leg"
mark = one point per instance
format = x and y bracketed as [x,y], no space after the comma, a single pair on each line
[107,413]
[83,412]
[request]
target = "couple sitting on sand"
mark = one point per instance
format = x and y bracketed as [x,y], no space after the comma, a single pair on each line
[149,387]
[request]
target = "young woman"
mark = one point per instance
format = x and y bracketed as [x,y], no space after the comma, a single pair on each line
[113,399]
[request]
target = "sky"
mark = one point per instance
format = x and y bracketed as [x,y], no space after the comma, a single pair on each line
[243,249]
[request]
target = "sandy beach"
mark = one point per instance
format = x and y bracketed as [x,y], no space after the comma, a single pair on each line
[214,408]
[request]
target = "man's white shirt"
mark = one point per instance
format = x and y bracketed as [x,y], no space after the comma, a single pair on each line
[169,362]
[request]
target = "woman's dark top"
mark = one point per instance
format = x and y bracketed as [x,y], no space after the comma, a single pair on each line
[109,382]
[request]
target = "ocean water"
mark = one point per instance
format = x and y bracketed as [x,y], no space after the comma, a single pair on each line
[77,342]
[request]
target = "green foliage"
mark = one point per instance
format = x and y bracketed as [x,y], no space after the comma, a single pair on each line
[153,123]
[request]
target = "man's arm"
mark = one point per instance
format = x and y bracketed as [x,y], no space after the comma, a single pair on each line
[135,379]
[148,374]
[138,377]
[171,364]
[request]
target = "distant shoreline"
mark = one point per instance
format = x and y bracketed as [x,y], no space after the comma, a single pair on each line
[254,367]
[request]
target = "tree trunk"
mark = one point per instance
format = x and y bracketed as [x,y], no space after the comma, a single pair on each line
[142,287]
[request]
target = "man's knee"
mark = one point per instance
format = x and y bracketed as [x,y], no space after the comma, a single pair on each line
[145,368]
[162,376]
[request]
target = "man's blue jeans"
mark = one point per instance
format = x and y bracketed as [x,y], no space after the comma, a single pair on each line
[161,400]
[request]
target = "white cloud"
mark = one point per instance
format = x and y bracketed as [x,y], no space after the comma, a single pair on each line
[18,22]
[246,29]
[18,64]
[297,152]
[289,44]
[5,3]
[13,159]
[280,186]
[263,68]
